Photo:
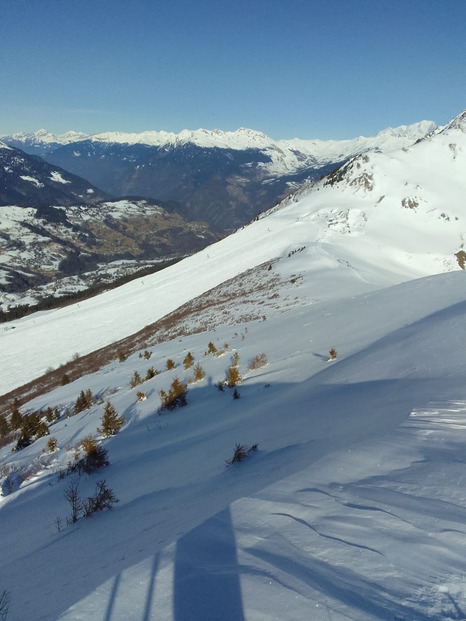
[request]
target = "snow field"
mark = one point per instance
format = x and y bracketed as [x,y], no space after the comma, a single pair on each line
[343,511]
[353,506]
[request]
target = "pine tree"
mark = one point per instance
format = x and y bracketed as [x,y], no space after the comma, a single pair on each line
[176,396]
[211,349]
[135,380]
[199,373]
[188,361]
[111,422]
[151,372]
[16,419]
[233,376]
[4,427]
[83,402]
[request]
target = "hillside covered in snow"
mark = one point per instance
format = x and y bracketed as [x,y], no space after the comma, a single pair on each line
[222,178]
[351,506]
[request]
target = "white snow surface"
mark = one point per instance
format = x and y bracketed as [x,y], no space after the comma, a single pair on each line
[32,180]
[354,504]
[58,177]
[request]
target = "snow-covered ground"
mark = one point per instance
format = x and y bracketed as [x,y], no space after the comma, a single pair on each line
[353,507]
[354,504]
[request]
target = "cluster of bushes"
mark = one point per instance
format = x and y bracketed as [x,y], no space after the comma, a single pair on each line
[211,349]
[12,476]
[136,379]
[103,499]
[84,401]
[27,427]
[94,458]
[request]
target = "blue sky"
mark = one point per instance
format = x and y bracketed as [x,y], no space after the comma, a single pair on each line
[295,68]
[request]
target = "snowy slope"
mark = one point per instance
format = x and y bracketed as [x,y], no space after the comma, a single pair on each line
[353,506]
[359,230]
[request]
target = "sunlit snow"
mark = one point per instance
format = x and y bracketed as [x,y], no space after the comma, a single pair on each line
[354,504]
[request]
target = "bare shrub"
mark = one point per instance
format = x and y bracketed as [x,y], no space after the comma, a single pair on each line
[332,354]
[11,482]
[4,605]
[52,445]
[258,362]
[170,364]
[240,453]
[141,396]
[76,505]
[103,499]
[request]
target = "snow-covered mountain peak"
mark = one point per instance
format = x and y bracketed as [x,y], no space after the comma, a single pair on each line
[459,122]
[42,136]
[412,132]
[240,139]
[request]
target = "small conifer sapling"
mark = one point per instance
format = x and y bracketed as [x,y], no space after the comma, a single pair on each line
[111,422]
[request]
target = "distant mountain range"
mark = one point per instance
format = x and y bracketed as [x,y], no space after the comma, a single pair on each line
[59,234]
[223,178]
[73,233]
[27,180]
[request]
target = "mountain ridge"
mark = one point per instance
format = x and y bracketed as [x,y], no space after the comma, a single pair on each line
[374,222]
[242,138]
